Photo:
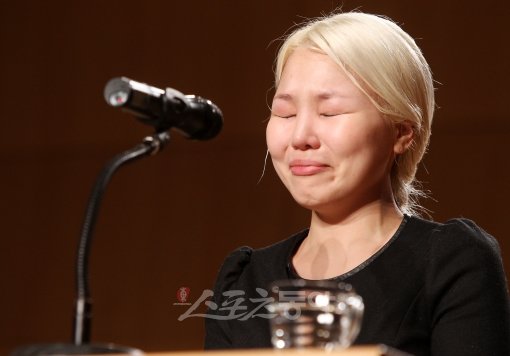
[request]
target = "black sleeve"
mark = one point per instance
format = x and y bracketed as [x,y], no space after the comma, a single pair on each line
[217,331]
[469,293]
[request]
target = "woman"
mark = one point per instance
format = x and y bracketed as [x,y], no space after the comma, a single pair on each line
[350,121]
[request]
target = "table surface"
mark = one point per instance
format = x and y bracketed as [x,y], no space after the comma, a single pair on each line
[376,350]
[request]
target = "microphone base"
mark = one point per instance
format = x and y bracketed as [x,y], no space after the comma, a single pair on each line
[72,349]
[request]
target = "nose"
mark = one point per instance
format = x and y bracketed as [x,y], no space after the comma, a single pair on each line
[304,135]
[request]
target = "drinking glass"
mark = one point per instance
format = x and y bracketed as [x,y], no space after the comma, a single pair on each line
[306,313]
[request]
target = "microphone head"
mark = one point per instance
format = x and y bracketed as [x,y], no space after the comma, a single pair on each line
[140,99]
[116,92]
[201,120]
[195,117]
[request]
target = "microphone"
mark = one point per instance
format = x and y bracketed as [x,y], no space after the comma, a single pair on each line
[195,117]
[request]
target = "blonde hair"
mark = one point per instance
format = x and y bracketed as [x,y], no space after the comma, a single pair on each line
[387,65]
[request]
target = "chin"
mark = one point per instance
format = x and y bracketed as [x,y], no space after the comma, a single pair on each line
[308,202]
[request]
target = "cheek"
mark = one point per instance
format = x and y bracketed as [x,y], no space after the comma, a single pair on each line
[368,134]
[276,138]
[343,139]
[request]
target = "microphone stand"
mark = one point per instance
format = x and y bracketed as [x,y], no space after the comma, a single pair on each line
[81,345]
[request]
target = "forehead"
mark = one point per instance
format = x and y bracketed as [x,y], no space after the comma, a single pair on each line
[311,72]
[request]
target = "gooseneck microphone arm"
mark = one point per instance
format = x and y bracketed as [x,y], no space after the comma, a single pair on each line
[194,117]
[83,306]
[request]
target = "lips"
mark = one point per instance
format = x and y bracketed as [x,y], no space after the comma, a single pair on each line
[306,167]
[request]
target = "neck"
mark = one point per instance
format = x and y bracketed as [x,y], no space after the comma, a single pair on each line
[335,246]
[371,224]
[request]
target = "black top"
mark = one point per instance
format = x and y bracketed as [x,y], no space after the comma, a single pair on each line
[433,289]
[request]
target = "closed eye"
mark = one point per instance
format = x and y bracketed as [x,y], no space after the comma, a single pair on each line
[332,114]
[284,116]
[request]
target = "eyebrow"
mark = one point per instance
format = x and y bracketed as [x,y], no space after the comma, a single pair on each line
[323,95]
[286,97]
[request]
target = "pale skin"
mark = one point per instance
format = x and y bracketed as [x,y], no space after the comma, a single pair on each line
[334,150]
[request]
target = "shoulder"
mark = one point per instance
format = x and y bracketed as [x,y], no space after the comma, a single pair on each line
[233,265]
[255,266]
[461,250]
[461,236]
[464,263]
[453,234]
[466,288]
[455,250]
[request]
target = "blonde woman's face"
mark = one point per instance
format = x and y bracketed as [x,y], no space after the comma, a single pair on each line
[329,144]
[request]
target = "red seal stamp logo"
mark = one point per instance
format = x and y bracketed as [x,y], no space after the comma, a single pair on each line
[183,294]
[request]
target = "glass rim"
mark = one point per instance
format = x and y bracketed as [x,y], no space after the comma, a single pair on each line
[298,284]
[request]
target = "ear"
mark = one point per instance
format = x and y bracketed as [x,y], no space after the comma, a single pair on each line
[404,135]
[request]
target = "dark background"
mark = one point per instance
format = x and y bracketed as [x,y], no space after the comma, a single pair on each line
[170,220]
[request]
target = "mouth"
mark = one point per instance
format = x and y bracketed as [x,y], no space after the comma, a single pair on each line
[306,167]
